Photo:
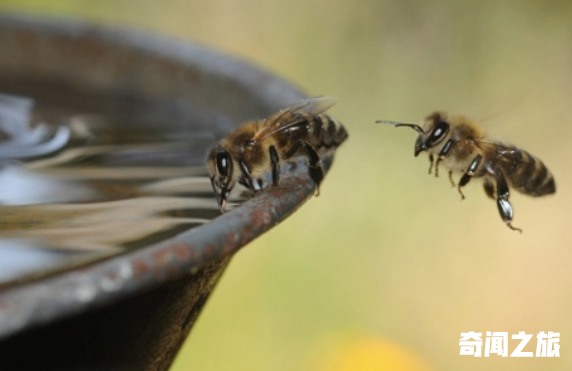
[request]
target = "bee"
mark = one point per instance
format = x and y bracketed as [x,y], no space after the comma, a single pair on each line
[461,146]
[256,148]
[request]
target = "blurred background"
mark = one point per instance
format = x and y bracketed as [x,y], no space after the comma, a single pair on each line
[387,267]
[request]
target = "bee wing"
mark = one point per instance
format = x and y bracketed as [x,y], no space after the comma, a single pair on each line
[294,115]
[311,106]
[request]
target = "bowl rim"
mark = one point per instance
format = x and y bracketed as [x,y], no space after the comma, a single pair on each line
[68,293]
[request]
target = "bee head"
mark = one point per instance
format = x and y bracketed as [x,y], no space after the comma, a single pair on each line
[435,128]
[221,169]
[434,131]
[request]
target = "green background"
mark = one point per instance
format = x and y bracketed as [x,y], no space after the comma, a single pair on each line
[387,267]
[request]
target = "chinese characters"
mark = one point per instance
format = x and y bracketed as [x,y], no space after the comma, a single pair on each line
[471,343]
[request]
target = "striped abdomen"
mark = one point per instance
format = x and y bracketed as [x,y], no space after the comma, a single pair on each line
[320,131]
[326,132]
[526,173]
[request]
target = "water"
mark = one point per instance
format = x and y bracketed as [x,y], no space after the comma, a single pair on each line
[83,188]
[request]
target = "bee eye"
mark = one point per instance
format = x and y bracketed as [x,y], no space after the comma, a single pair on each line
[223,163]
[439,131]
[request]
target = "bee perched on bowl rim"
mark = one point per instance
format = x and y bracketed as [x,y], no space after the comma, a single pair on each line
[462,146]
[247,154]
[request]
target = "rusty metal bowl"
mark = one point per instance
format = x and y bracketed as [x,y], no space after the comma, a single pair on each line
[133,310]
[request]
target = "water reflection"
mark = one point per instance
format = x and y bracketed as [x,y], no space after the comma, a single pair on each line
[26,258]
[88,188]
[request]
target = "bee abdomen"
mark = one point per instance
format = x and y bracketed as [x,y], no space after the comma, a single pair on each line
[328,132]
[532,177]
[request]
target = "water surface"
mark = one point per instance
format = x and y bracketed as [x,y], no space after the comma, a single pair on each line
[80,187]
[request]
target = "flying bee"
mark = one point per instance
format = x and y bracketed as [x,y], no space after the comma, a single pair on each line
[250,152]
[461,146]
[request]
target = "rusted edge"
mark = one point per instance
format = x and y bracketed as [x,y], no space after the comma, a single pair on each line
[39,302]
[76,291]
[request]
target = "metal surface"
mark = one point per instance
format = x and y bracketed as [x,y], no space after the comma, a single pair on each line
[134,310]
[43,301]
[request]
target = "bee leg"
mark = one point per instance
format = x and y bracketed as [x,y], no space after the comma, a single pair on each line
[275,165]
[451,179]
[248,182]
[504,206]
[431,160]
[489,188]
[469,174]
[442,154]
[315,166]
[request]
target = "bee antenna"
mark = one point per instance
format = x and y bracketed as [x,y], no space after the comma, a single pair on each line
[415,127]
